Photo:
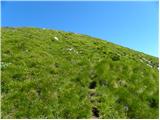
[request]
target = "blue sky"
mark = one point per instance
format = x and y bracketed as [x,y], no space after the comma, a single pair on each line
[130,24]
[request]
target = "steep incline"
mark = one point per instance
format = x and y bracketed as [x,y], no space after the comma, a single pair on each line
[56,74]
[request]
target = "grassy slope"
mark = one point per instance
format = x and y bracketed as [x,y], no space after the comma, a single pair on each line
[46,78]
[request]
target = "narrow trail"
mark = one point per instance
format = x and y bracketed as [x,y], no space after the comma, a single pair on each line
[95,112]
[92,94]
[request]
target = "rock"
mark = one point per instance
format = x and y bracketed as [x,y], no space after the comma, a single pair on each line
[149,65]
[70,49]
[56,38]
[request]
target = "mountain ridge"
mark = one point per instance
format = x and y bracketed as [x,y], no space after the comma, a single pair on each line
[51,29]
[57,74]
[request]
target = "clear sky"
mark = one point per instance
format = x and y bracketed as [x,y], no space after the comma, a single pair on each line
[130,24]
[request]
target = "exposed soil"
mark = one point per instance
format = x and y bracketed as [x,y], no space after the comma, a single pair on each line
[92,94]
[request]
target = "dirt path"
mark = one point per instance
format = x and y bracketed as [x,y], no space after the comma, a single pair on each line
[92,94]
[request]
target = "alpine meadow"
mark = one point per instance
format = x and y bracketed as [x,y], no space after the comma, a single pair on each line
[55,74]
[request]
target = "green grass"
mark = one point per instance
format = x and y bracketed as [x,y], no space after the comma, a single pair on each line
[42,77]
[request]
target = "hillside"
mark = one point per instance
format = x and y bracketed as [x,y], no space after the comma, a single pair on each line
[56,74]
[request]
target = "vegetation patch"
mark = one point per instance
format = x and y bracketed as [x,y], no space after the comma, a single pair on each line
[55,74]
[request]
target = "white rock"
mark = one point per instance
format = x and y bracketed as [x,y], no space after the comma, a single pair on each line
[73,50]
[150,65]
[56,38]
[146,60]
[70,49]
